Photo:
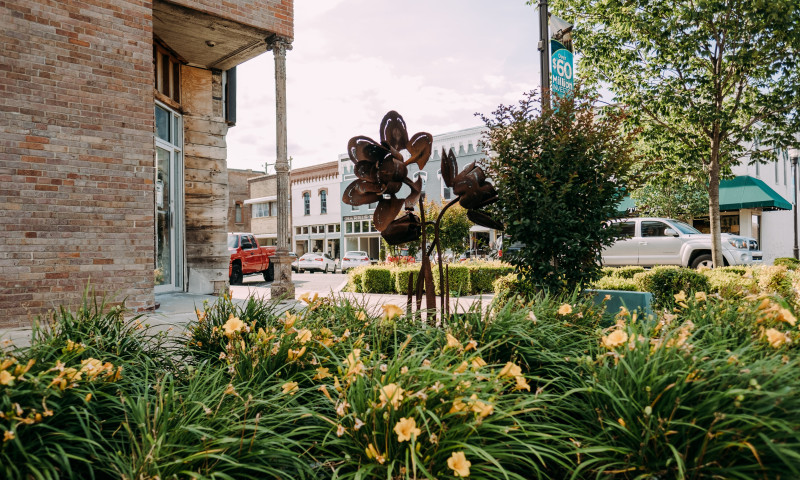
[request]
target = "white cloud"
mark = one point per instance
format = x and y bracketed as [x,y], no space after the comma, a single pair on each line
[437,63]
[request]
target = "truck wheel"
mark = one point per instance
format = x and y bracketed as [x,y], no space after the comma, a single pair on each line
[269,273]
[703,261]
[236,275]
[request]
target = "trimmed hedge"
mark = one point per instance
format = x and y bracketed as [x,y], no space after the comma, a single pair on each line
[616,283]
[666,281]
[401,275]
[482,276]
[729,283]
[789,262]
[465,279]
[775,279]
[458,277]
[378,279]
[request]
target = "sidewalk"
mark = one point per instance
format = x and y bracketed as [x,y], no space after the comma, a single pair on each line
[177,310]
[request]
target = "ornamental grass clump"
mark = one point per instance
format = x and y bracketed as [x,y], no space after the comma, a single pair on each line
[695,394]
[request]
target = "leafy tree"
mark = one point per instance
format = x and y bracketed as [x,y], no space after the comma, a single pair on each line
[671,196]
[714,81]
[453,229]
[559,173]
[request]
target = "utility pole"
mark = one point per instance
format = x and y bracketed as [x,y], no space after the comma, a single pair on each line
[544,52]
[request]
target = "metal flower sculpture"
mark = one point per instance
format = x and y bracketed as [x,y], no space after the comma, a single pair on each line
[381,170]
[471,188]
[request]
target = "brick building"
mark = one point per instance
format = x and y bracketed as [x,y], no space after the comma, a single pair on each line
[113,116]
[238,192]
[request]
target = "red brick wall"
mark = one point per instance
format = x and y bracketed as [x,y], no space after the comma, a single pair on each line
[76,154]
[273,15]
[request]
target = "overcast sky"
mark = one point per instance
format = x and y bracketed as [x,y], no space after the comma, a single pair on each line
[436,62]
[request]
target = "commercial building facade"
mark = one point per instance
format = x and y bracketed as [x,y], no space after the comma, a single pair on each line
[112,147]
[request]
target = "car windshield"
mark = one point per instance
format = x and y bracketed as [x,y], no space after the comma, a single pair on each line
[233,241]
[684,227]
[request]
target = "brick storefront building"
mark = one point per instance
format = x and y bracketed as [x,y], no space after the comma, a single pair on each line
[113,116]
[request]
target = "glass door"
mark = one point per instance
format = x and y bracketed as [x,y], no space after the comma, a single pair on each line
[168,266]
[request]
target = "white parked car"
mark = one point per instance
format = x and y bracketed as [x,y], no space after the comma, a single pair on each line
[354,258]
[320,262]
[652,241]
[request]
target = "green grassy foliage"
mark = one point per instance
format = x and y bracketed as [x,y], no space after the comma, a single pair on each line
[527,388]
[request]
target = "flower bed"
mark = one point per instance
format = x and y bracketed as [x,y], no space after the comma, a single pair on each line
[532,389]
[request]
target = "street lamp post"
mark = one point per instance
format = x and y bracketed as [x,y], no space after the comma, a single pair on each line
[544,52]
[793,154]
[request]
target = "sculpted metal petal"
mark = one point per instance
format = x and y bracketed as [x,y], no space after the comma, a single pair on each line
[449,167]
[363,148]
[353,196]
[393,131]
[402,230]
[420,147]
[386,211]
[366,170]
[416,191]
[480,218]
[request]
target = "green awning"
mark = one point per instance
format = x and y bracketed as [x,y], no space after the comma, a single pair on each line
[627,205]
[748,192]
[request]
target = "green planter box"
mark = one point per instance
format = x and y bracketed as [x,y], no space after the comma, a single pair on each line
[641,302]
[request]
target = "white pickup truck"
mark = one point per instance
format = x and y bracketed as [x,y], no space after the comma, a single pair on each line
[663,241]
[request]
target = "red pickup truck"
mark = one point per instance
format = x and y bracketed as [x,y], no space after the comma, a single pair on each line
[247,258]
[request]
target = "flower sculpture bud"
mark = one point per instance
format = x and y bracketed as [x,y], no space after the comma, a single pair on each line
[381,169]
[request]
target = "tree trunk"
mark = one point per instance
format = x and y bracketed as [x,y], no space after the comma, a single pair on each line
[713,203]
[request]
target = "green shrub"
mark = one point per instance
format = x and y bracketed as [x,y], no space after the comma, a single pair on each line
[729,283]
[458,277]
[737,269]
[483,274]
[666,281]
[775,280]
[789,262]
[629,271]
[616,283]
[401,274]
[355,278]
[377,279]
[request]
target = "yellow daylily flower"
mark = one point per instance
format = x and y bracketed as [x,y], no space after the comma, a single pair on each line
[459,464]
[361,316]
[615,339]
[700,296]
[303,335]
[680,296]
[478,362]
[6,378]
[785,315]
[776,338]
[373,452]
[565,309]
[289,321]
[233,326]
[391,311]
[290,387]
[522,384]
[306,297]
[510,370]
[452,342]
[406,429]
[322,372]
[391,393]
